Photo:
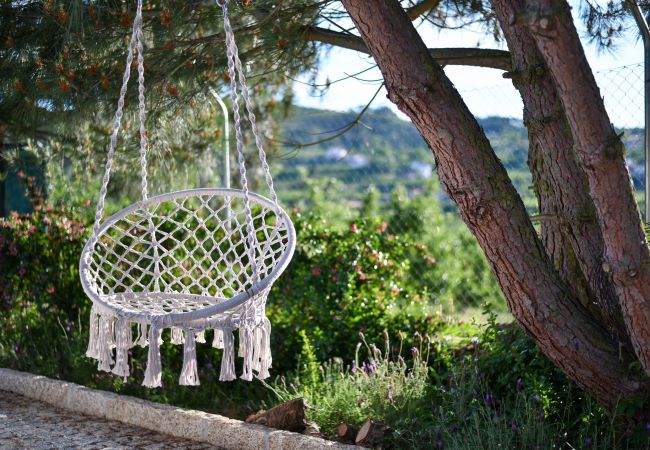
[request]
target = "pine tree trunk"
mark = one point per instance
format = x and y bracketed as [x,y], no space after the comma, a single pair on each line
[569,227]
[601,153]
[475,179]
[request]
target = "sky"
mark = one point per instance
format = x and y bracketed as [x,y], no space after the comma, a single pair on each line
[619,75]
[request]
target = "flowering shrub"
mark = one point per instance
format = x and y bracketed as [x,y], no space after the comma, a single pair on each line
[39,254]
[340,283]
[437,396]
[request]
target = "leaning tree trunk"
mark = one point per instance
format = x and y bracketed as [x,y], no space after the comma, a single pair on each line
[601,153]
[569,228]
[475,179]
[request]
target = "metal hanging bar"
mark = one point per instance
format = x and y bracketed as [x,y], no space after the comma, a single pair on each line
[226,144]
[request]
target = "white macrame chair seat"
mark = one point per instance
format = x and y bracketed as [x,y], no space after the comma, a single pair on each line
[182,257]
[193,260]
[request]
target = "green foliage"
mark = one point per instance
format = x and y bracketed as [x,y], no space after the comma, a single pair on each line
[64,60]
[389,152]
[446,263]
[342,282]
[459,388]
[37,255]
[445,396]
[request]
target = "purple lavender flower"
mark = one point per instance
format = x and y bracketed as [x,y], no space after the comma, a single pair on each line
[520,384]
[414,350]
[514,427]
[354,367]
[489,399]
[209,366]
[389,395]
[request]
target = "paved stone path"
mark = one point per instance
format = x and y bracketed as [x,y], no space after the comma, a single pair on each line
[29,424]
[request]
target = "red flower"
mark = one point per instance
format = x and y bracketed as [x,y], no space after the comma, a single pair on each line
[316,271]
[354,228]
[50,289]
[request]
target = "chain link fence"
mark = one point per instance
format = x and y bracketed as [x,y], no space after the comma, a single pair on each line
[382,167]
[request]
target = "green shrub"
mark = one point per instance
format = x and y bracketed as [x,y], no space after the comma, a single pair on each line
[340,283]
[447,264]
[39,254]
[440,396]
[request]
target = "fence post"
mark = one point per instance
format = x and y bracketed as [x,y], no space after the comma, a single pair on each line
[642,23]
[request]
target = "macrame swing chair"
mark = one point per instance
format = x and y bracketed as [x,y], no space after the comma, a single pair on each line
[191,261]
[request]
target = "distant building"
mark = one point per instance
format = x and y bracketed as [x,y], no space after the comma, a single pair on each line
[420,169]
[356,161]
[335,153]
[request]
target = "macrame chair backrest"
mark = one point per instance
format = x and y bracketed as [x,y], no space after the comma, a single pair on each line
[234,69]
[201,257]
[191,260]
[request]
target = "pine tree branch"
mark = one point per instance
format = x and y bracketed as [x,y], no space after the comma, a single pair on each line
[495,59]
[421,8]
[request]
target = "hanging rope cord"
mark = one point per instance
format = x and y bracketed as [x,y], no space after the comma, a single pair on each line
[236,73]
[233,58]
[136,42]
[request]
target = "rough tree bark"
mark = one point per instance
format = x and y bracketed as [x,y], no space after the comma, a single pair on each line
[475,179]
[569,228]
[601,153]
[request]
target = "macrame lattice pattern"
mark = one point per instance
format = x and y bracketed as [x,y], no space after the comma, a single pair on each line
[193,248]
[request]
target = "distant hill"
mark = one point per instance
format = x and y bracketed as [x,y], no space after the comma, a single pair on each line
[382,150]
